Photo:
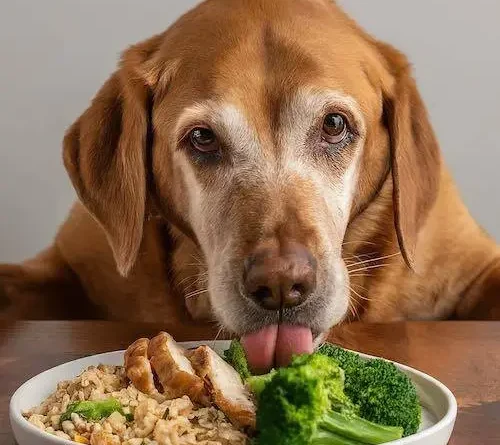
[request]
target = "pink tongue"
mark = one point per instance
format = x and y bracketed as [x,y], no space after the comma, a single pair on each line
[292,340]
[260,347]
[275,345]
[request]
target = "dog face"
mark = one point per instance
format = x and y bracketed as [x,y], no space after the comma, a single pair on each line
[270,125]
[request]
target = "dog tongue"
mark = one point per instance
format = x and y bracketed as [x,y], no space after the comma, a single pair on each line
[292,340]
[275,345]
[260,348]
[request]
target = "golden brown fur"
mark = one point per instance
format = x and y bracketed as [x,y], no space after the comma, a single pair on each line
[131,248]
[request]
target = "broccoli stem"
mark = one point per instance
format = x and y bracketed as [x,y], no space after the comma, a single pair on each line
[328,438]
[358,429]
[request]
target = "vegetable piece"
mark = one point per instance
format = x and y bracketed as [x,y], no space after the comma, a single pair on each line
[80,439]
[329,438]
[384,394]
[333,377]
[236,357]
[348,361]
[305,404]
[257,383]
[92,410]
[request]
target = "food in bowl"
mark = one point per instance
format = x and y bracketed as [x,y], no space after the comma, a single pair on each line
[165,395]
[156,398]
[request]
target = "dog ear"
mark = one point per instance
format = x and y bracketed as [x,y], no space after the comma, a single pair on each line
[415,156]
[105,151]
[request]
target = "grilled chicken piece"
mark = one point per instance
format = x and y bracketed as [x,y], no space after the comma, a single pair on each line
[138,367]
[225,387]
[174,370]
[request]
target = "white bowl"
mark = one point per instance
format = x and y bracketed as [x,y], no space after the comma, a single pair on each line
[438,403]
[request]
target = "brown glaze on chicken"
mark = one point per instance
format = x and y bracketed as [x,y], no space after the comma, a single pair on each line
[225,387]
[174,370]
[161,366]
[138,367]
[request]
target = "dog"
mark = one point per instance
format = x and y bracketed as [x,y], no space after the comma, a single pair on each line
[266,165]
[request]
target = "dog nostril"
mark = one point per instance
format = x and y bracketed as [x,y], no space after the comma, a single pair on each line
[298,289]
[267,297]
[262,294]
[295,295]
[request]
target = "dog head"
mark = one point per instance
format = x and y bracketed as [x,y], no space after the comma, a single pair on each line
[259,129]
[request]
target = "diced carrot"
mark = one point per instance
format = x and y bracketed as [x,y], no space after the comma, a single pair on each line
[80,439]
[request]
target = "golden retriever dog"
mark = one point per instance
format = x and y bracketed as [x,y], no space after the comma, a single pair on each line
[267,165]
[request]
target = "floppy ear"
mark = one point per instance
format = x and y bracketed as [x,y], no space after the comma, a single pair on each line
[105,151]
[415,156]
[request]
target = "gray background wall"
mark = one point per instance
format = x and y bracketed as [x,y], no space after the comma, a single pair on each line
[54,54]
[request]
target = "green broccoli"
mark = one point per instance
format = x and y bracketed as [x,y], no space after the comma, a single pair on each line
[384,394]
[237,358]
[257,383]
[333,377]
[347,360]
[304,404]
[93,410]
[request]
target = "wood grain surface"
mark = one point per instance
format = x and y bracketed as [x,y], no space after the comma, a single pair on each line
[465,356]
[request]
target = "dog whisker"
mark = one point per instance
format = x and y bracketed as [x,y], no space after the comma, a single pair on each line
[219,332]
[352,259]
[358,294]
[358,242]
[192,287]
[353,310]
[196,257]
[359,285]
[195,293]
[191,277]
[195,264]
[355,258]
[377,259]
[196,280]
[360,255]
[376,266]
[381,303]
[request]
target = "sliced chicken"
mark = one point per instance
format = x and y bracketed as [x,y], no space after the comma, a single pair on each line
[174,370]
[138,367]
[225,387]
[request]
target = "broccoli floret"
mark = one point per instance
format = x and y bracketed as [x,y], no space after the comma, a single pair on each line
[333,378]
[237,358]
[384,394]
[257,383]
[305,404]
[93,410]
[347,360]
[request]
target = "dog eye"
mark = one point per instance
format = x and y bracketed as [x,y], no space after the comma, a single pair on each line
[204,140]
[335,128]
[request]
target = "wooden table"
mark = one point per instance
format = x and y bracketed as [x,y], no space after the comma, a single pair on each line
[463,355]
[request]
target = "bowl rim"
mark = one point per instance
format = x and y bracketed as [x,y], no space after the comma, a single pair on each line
[16,416]
[15,412]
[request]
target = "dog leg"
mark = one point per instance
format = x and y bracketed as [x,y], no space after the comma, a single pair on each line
[482,299]
[42,288]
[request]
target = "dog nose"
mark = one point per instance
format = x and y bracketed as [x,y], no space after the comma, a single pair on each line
[280,278]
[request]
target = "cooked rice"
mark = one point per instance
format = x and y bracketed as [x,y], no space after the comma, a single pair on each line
[157,421]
